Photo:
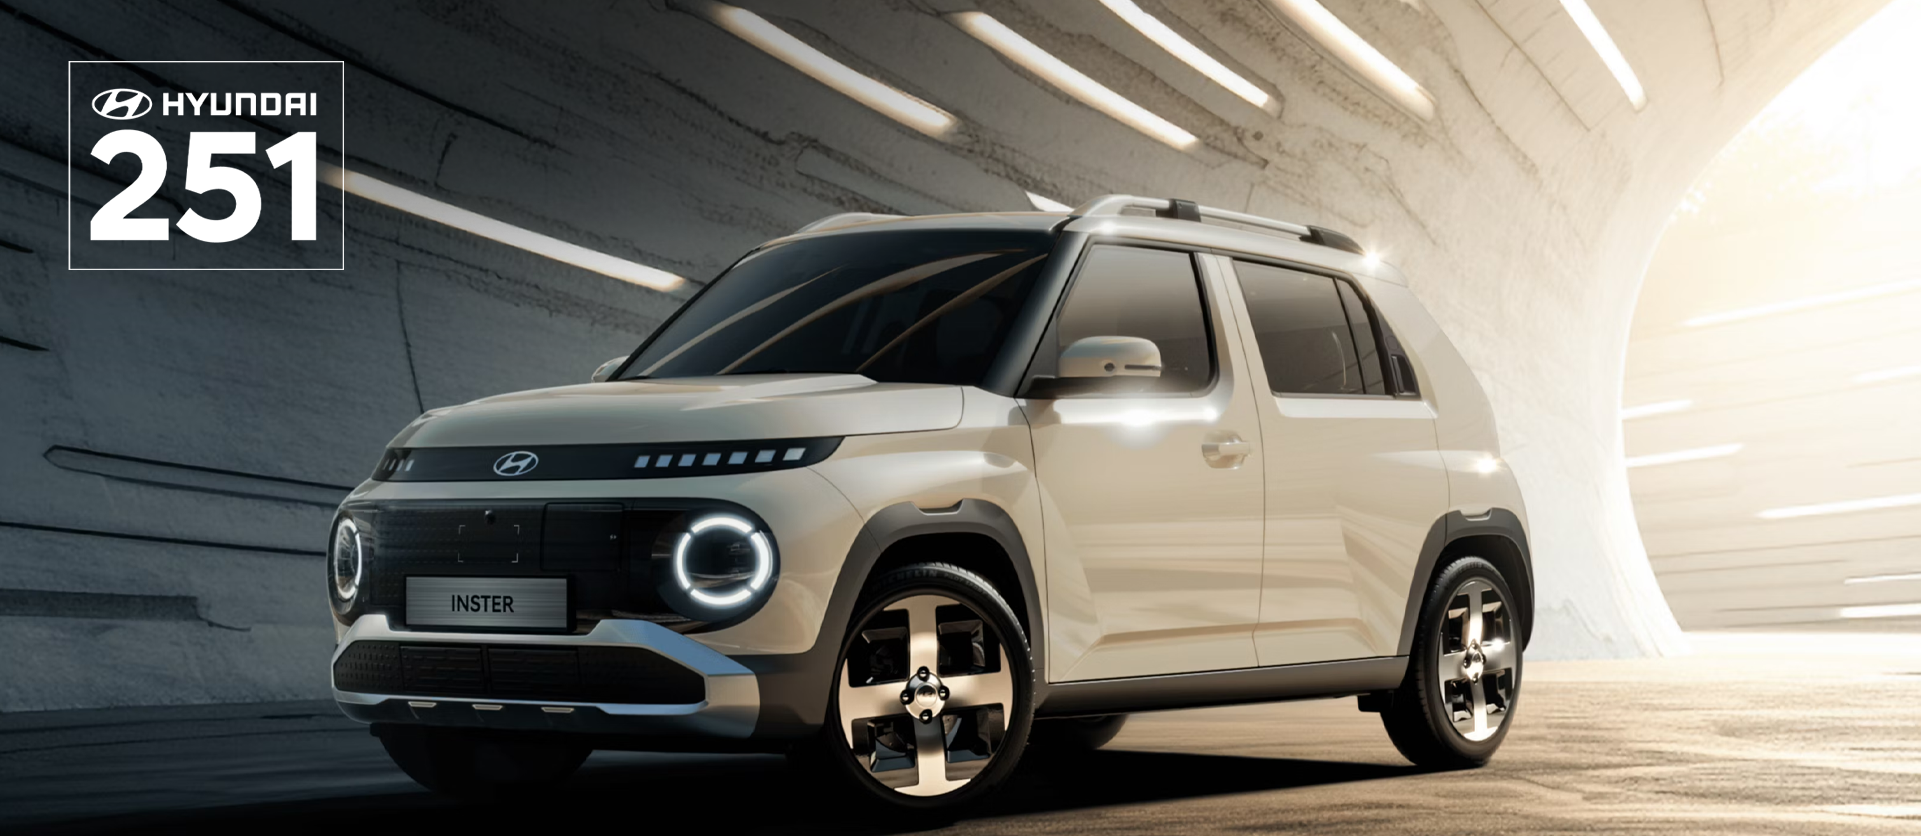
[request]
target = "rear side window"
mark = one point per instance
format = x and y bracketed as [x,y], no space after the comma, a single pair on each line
[1314,334]
[1365,352]
[1151,294]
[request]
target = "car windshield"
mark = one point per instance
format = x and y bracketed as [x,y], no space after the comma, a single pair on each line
[918,306]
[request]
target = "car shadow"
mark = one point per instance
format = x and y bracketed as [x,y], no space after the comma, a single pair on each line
[1118,777]
[753,794]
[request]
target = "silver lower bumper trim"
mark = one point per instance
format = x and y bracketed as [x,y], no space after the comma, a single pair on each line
[731,708]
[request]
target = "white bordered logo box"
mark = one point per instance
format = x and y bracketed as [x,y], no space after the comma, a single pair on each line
[205,165]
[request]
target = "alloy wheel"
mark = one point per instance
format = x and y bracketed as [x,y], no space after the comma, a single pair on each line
[924,695]
[1478,654]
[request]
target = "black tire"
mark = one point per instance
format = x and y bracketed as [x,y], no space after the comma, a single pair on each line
[1066,735]
[462,763]
[858,771]
[1424,716]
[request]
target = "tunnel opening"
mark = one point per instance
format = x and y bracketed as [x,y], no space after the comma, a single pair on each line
[1773,364]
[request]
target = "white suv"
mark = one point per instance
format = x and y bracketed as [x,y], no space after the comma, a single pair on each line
[905,493]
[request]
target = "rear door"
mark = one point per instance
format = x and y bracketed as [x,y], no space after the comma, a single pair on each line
[1353,475]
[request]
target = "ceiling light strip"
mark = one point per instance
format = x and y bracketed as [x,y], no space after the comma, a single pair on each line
[1836,298]
[1182,48]
[1678,456]
[1648,410]
[1075,83]
[1884,375]
[874,93]
[1047,204]
[1882,611]
[388,194]
[1603,43]
[1909,576]
[1354,51]
[1849,506]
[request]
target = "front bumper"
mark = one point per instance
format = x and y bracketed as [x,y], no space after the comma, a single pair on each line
[730,708]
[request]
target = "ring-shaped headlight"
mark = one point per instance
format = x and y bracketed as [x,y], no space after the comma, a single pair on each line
[743,590]
[346,559]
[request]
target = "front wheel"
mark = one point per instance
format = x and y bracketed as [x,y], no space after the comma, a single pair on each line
[1464,676]
[933,692]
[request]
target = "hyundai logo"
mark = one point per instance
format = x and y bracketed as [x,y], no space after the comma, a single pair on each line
[129,104]
[517,463]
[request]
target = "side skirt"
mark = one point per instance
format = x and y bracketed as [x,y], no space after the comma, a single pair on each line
[1233,687]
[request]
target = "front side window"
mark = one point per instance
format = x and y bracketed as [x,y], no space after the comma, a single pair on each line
[1314,333]
[915,306]
[1151,294]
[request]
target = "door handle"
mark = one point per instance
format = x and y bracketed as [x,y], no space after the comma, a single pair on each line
[1225,449]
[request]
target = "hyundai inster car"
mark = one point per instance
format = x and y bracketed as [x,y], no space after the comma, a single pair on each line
[906,496]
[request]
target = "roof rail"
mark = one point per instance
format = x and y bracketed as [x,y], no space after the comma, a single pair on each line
[1187,210]
[844,219]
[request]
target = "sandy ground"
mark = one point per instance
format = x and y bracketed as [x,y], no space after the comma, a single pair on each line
[1755,733]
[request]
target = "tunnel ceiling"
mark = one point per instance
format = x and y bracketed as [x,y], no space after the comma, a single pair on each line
[1488,147]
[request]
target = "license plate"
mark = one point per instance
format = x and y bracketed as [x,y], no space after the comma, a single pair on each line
[488,603]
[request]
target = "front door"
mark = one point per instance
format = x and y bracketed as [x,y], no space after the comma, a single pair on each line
[1151,496]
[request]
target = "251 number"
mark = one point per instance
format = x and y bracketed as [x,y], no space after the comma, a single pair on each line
[112,224]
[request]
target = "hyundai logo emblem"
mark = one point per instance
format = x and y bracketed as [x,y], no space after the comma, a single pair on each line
[517,463]
[129,104]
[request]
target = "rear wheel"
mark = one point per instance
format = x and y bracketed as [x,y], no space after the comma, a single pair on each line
[1464,676]
[461,763]
[933,692]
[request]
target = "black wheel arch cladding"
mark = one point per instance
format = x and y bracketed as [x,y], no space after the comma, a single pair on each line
[795,687]
[1497,537]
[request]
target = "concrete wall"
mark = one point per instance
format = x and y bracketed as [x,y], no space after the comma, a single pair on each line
[171,443]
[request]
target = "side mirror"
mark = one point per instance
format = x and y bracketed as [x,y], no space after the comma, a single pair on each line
[1089,364]
[1110,357]
[606,369]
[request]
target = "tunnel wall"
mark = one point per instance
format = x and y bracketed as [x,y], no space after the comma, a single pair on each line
[172,444]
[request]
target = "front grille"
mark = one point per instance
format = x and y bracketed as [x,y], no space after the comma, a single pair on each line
[537,672]
[606,549]
[443,669]
[599,674]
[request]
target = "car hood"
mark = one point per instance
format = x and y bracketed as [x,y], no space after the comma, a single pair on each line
[731,408]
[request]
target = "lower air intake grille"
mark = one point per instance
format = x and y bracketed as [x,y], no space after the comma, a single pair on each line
[517,672]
